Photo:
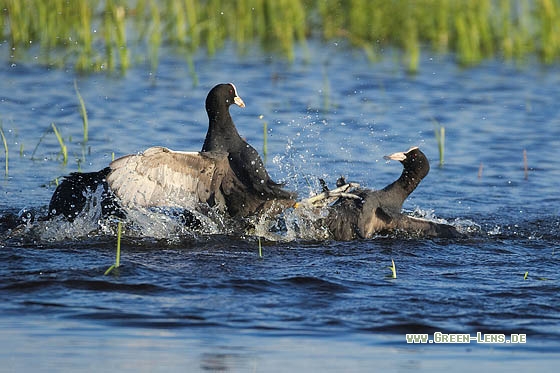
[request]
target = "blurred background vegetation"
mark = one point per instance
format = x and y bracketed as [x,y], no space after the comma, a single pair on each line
[110,35]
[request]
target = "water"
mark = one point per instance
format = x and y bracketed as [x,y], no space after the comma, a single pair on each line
[208,302]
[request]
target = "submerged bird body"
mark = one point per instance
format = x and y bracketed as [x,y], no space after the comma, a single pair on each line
[378,211]
[227,173]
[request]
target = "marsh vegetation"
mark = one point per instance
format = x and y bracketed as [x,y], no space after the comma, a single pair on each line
[111,35]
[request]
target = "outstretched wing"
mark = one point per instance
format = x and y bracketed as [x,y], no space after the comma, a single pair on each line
[162,177]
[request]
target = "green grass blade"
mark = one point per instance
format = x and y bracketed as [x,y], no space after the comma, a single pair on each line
[118,258]
[109,270]
[5,148]
[393,269]
[83,111]
[265,138]
[63,147]
[472,30]
[119,234]
[439,132]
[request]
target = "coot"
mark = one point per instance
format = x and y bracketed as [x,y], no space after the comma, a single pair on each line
[227,172]
[373,211]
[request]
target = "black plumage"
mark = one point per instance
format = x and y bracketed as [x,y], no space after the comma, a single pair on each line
[244,160]
[377,211]
[228,172]
[78,189]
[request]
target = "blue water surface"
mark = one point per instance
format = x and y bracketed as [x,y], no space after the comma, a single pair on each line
[209,303]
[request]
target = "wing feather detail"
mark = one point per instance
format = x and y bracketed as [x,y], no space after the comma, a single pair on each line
[162,177]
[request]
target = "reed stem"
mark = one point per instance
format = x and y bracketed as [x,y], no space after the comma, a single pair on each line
[119,233]
[118,257]
[393,269]
[5,148]
[83,112]
[265,138]
[439,132]
[63,147]
[95,32]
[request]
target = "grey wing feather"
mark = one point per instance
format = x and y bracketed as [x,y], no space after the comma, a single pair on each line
[162,177]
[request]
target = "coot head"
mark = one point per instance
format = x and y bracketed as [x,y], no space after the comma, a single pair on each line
[222,96]
[415,167]
[412,159]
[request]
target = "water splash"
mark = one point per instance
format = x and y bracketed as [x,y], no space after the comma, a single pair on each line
[302,223]
[465,226]
[175,224]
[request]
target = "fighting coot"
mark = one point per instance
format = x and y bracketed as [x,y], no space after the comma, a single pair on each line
[373,211]
[227,172]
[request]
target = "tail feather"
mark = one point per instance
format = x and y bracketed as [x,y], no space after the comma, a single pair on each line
[75,190]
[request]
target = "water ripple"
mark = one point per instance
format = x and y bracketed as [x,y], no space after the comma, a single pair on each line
[209,291]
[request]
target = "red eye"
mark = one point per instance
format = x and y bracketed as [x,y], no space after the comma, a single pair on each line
[231,91]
